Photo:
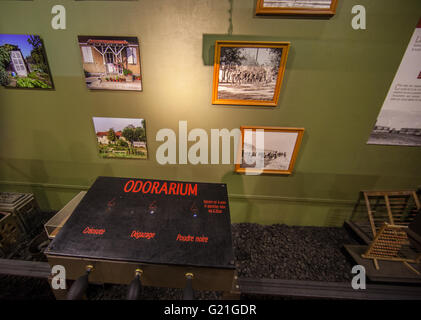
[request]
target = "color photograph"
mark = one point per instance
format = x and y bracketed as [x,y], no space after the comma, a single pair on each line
[111,63]
[248,73]
[121,137]
[23,62]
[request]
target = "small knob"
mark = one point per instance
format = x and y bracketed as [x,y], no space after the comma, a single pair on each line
[135,287]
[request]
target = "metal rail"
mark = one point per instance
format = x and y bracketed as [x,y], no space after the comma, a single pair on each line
[25,268]
[328,290]
[277,287]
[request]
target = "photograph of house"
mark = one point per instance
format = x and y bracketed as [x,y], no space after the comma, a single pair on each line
[121,137]
[111,63]
[23,62]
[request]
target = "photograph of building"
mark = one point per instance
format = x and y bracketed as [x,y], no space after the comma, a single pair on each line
[111,63]
[121,138]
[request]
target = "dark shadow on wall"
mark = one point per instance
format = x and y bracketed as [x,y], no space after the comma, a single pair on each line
[235,185]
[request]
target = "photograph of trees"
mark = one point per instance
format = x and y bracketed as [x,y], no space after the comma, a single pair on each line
[23,62]
[121,138]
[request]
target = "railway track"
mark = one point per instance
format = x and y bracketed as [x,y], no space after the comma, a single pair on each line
[272,287]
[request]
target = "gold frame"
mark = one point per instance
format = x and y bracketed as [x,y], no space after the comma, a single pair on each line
[261,10]
[249,44]
[298,141]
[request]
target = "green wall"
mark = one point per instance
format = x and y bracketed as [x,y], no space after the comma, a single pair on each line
[335,83]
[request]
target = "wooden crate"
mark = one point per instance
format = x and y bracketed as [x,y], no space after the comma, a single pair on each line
[377,207]
[10,233]
[21,205]
[391,244]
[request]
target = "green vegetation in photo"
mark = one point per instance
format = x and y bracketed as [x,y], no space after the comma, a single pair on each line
[111,135]
[39,76]
[37,54]
[31,83]
[4,77]
[4,62]
[127,72]
[116,151]
[121,145]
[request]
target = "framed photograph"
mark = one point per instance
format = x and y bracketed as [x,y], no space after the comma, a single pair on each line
[296,7]
[248,73]
[111,63]
[123,138]
[271,150]
[23,62]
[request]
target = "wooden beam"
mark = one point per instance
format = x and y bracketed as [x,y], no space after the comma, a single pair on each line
[370,214]
[389,210]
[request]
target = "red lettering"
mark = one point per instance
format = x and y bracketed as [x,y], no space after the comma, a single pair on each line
[137,234]
[131,187]
[164,186]
[193,190]
[137,186]
[185,190]
[202,239]
[88,230]
[188,238]
[144,190]
[172,188]
[155,187]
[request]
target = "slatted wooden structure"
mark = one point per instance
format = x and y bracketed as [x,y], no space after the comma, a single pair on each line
[391,243]
[10,233]
[394,207]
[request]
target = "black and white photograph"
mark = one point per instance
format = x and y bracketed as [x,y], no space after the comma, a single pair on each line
[277,152]
[397,127]
[249,73]
[296,7]
[319,4]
